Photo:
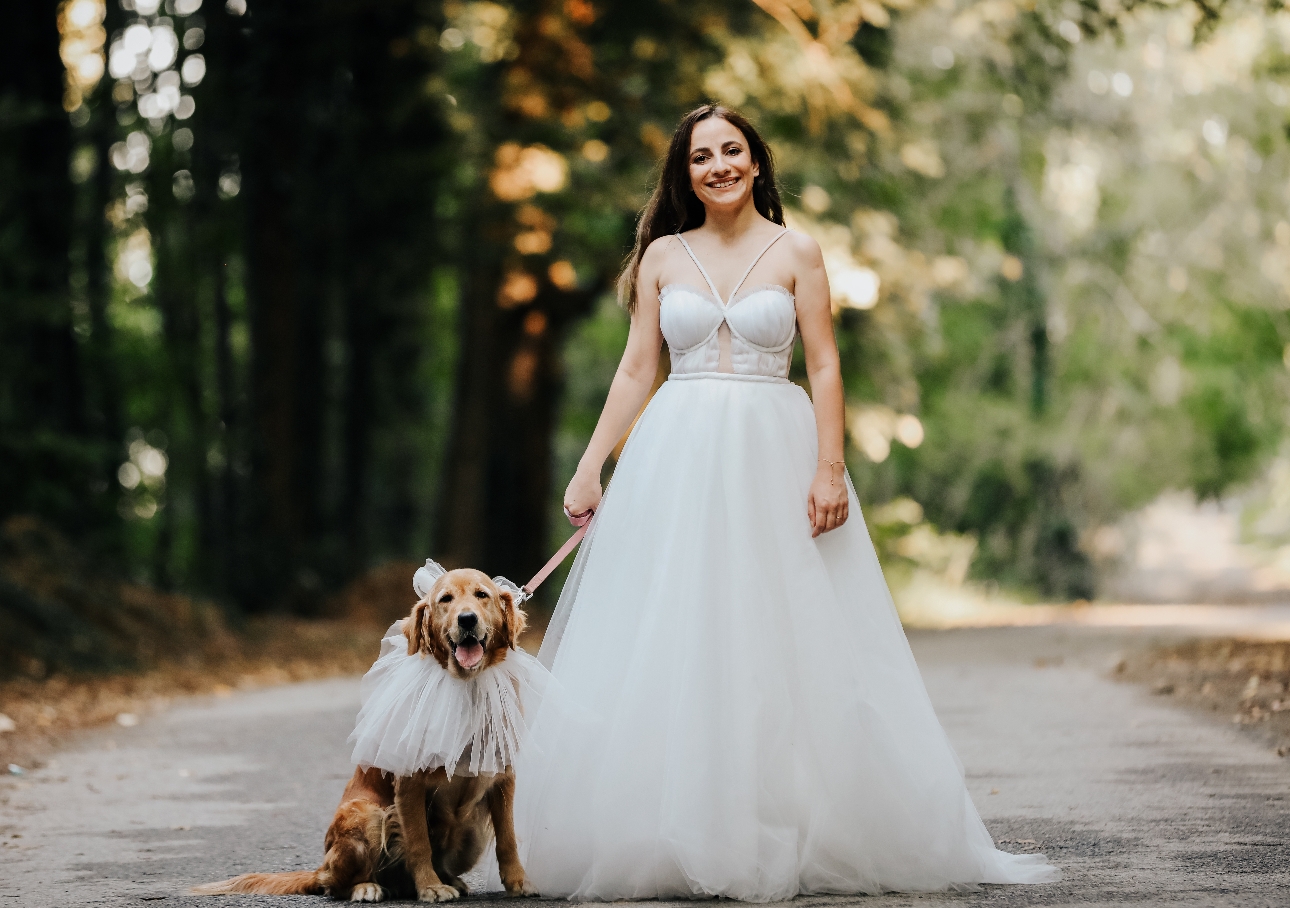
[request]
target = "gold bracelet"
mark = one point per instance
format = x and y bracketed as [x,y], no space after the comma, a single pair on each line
[832,464]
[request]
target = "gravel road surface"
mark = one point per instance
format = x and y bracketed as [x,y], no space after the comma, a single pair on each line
[1136,800]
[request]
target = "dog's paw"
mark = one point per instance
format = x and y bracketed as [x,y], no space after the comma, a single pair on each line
[460,885]
[367,892]
[439,893]
[520,889]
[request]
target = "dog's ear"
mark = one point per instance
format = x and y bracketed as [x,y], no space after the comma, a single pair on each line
[437,645]
[414,627]
[513,618]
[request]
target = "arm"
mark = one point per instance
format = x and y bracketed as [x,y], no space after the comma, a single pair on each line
[631,385]
[827,503]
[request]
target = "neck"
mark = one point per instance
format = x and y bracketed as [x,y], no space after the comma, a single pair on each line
[730,224]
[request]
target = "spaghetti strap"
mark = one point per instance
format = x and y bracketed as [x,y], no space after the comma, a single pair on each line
[753,265]
[694,258]
[747,271]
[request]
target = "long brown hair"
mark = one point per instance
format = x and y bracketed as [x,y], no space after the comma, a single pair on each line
[674,208]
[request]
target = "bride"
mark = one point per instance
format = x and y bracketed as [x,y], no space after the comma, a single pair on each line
[750,722]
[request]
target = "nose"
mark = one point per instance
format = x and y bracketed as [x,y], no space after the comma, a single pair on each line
[467,621]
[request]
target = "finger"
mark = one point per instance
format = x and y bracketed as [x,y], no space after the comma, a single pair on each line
[810,509]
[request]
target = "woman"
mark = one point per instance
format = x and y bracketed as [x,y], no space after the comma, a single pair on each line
[753,723]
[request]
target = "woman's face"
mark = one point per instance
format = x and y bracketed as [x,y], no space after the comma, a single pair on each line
[721,169]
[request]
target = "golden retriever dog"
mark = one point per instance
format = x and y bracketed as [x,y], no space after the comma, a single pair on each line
[466,623]
[418,834]
[363,860]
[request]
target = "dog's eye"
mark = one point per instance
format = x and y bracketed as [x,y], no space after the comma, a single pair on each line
[446,597]
[481,594]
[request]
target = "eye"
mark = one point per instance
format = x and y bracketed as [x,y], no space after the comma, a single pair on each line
[481,594]
[446,597]
[699,159]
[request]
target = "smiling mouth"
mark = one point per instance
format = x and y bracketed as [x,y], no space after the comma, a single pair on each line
[724,184]
[468,651]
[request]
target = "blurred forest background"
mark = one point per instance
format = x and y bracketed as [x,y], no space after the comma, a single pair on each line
[289,289]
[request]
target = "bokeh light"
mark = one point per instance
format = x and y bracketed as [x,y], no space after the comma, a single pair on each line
[81,49]
[521,172]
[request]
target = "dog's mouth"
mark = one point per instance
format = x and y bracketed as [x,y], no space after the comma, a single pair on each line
[469,651]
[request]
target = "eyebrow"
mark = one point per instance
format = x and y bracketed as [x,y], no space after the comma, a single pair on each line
[709,150]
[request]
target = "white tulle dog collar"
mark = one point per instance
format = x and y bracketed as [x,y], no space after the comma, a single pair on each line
[416,715]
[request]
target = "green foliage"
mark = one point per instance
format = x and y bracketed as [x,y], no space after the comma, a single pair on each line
[350,338]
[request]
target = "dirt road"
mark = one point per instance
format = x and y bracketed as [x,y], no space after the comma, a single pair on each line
[1136,800]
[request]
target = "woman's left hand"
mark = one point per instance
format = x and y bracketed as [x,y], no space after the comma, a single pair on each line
[827,503]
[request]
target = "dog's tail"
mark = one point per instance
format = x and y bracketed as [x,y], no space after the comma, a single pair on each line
[294,882]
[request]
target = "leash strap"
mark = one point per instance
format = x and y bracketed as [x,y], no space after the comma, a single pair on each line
[582,522]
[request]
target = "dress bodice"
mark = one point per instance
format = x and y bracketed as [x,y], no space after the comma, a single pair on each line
[762,326]
[748,335]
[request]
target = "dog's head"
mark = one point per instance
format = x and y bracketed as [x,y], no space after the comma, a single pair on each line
[466,622]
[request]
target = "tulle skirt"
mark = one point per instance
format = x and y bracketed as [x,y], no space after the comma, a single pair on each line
[747,718]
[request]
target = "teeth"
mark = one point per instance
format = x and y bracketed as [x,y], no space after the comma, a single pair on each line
[724,184]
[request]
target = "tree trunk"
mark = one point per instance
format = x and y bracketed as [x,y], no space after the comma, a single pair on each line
[357,430]
[47,458]
[497,479]
[285,320]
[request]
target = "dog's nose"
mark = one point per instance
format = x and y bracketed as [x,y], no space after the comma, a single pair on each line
[467,621]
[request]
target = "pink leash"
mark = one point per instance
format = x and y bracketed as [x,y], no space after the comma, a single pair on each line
[582,522]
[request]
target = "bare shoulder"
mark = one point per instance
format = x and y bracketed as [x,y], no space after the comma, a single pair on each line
[657,250]
[651,265]
[804,248]
[810,281]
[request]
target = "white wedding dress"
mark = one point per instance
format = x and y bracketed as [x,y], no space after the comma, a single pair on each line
[749,721]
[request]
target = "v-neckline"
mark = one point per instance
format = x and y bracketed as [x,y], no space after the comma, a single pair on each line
[747,271]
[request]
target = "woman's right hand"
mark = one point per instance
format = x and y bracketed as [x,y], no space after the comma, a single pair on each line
[583,493]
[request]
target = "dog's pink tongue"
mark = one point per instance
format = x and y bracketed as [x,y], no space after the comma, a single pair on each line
[468,656]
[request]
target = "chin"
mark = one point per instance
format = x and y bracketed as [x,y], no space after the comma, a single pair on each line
[468,654]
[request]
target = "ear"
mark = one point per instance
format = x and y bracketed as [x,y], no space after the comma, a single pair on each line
[438,648]
[513,617]
[414,627]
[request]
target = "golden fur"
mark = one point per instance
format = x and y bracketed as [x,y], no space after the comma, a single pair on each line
[416,835]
